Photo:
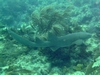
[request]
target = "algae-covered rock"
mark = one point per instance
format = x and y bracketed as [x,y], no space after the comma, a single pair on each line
[46,18]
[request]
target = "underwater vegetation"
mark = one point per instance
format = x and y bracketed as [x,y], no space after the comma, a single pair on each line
[65,57]
[50,19]
[16,70]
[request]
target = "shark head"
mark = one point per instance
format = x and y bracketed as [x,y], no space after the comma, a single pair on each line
[84,35]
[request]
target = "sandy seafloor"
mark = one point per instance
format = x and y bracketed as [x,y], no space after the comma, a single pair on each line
[30,19]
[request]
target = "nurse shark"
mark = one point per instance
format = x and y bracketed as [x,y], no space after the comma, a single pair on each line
[53,41]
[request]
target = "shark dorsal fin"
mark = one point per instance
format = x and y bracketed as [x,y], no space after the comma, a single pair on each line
[38,40]
[51,36]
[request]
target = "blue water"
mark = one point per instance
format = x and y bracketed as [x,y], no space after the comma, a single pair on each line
[13,13]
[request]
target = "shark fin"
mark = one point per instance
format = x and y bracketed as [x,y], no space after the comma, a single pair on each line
[51,36]
[38,40]
[54,48]
[78,42]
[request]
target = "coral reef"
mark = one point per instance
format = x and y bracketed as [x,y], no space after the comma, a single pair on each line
[60,19]
[50,19]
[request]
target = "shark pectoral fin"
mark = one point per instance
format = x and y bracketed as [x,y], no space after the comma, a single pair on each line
[54,48]
[78,42]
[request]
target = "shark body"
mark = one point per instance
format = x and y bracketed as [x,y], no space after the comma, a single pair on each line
[53,41]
